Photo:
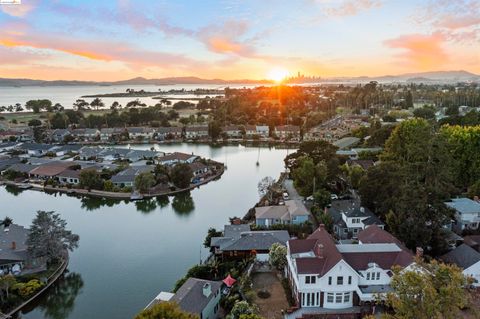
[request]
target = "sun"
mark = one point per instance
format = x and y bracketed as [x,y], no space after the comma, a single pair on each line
[278,74]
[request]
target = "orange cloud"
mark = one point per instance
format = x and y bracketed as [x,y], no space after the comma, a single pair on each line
[227,38]
[351,7]
[421,51]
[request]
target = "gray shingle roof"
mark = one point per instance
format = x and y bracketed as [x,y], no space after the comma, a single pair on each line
[240,237]
[190,295]
[17,234]
[463,256]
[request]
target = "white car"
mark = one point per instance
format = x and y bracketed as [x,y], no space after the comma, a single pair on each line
[285,196]
[333,196]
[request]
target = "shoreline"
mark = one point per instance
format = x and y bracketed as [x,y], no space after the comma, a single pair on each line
[110,195]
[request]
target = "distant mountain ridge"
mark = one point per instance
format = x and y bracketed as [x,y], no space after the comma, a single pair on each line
[434,76]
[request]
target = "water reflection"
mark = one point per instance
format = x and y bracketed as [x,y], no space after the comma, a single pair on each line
[15,191]
[146,206]
[93,203]
[183,204]
[59,301]
[163,201]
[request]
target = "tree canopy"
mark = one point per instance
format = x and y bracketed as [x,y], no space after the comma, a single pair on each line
[165,310]
[49,237]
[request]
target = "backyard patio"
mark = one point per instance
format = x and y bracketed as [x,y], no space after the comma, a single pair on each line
[270,296]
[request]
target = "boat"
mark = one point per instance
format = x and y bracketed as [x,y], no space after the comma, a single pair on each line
[136,196]
[24,186]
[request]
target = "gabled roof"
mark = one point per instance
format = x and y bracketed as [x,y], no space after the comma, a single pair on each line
[51,169]
[463,256]
[17,234]
[190,295]
[272,212]
[464,205]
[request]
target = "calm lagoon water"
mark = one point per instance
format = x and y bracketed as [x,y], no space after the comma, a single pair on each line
[130,251]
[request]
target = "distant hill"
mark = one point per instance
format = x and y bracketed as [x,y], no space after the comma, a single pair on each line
[134,81]
[421,77]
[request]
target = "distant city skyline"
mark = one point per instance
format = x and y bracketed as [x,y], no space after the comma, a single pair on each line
[232,39]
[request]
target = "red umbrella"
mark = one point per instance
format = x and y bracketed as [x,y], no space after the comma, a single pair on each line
[229,281]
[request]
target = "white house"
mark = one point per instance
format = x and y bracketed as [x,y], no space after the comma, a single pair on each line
[466,258]
[263,130]
[467,213]
[326,275]
[287,131]
[176,157]
[140,132]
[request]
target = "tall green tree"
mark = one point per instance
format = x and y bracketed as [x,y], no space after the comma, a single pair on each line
[49,237]
[434,291]
[144,181]
[181,175]
[91,179]
[278,256]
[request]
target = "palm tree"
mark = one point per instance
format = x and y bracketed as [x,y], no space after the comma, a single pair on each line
[6,222]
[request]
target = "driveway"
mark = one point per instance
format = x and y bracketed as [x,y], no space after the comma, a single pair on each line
[292,192]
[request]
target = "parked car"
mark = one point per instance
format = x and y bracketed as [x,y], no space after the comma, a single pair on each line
[285,196]
[333,196]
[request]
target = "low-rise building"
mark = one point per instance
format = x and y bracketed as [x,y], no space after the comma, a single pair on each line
[68,176]
[466,258]
[349,218]
[196,132]
[232,131]
[177,157]
[467,213]
[293,212]
[169,133]
[197,296]
[140,133]
[287,132]
[126,178]
[238,242]
[14,256]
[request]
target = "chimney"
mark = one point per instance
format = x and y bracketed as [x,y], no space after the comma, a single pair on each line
[419,252]
[14,245]
[207,290]
[319,252]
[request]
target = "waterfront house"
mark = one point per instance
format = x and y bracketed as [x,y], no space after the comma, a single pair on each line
[69,176]
[250,131]
[20,168]
[62,150]
[232,131]
[293,212]
[287,132]
[126,178]
[239,241]
[86,134]
[349,218]
[262,130]
[138,155]
[467,213]
[7,146]
[50,170]
[196,132]
[111,134]
[199,169]
[338,277]
[14,256]
[177,157]
[466,258]
[197,296]
[169,133]
[135,133]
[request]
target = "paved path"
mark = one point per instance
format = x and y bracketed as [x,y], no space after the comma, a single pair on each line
[292,192]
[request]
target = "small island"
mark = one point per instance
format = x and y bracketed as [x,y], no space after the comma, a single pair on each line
[118,173]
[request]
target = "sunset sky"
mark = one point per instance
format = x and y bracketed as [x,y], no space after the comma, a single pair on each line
[234,39]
